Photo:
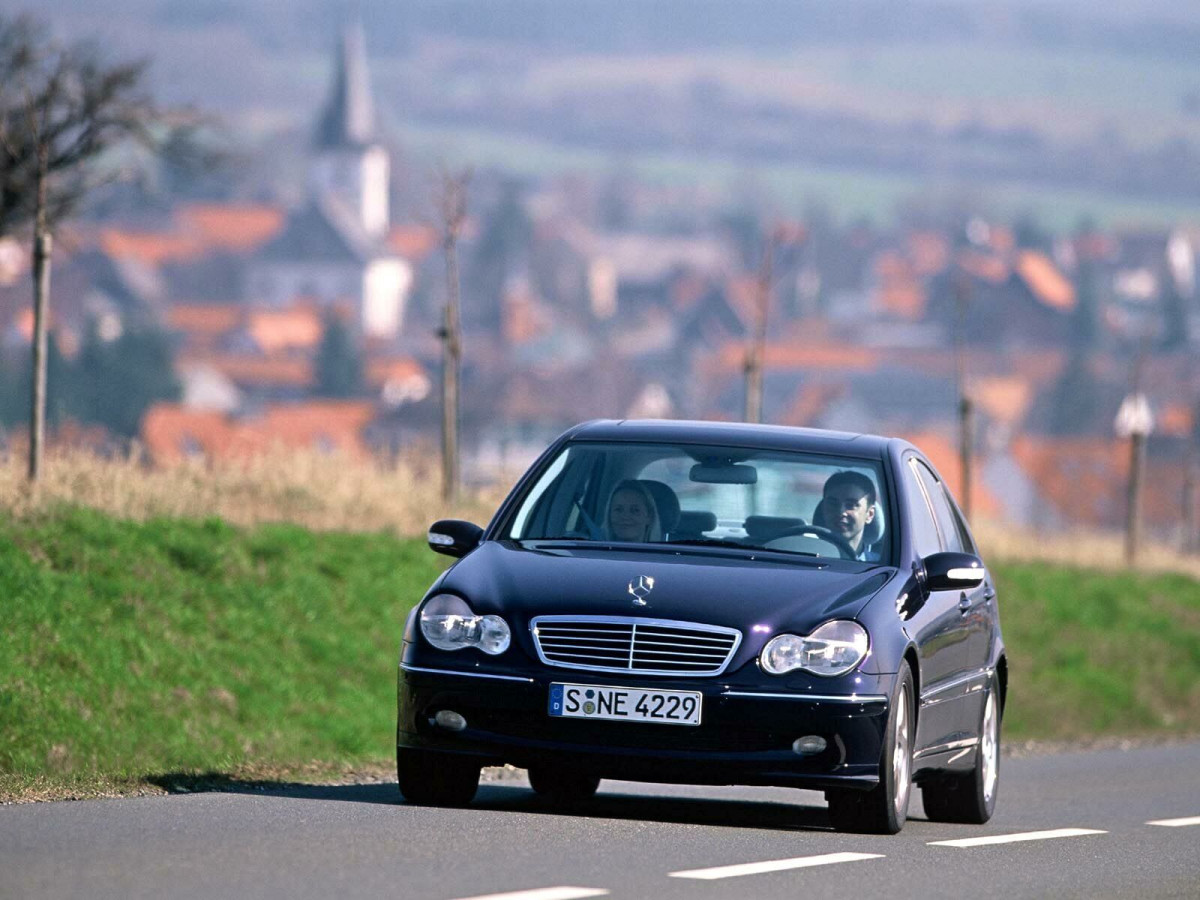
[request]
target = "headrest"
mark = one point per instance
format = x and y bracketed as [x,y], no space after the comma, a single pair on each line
[665,501]
[764,528]
[695,521]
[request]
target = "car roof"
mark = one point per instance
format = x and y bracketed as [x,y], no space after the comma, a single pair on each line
[734,434]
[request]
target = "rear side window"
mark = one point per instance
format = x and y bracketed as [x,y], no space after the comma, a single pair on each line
[968,542]
[925,533]
[947,522]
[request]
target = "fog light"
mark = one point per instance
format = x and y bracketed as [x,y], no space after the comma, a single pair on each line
[452,721]
[808,745]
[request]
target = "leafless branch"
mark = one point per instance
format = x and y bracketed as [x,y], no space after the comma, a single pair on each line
[64,109]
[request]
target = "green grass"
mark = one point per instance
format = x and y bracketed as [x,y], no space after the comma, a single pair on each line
[1099,653]
[137,652]
[173,646]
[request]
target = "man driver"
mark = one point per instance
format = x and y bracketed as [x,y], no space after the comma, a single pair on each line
[847,507]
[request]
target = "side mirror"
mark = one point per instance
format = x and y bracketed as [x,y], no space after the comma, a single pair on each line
[953,571]
[454,537]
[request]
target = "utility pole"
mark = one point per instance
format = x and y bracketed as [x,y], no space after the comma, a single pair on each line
[962,295]
[756,351]
[1135,422]
[452,207]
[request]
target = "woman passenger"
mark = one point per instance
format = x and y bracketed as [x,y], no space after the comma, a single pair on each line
[632,515]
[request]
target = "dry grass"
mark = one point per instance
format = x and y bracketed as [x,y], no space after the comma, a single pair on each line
[1092,550]
[403,496]
[325,492]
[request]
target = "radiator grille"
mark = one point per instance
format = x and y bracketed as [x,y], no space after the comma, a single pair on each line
[645,646]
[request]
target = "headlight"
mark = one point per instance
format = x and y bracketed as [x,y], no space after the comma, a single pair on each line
[833,649]
[449,624]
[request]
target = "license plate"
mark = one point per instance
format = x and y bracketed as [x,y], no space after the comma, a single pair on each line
[596,701]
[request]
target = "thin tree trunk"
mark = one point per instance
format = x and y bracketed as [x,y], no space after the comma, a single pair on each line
[41,309]
[451,353]
[1191,536]
[1133,512]
[756,352]
[962,291]
[1189,508]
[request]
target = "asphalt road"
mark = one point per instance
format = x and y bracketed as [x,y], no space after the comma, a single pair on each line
[1087,819]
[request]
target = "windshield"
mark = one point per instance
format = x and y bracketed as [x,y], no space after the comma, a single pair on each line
[708,495]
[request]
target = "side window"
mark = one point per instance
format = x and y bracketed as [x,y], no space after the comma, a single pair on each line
[555,507]
[968,541]
[544,490]
[946,522]
[925,534]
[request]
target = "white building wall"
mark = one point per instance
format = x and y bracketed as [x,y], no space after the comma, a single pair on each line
[359,181]
[386,284]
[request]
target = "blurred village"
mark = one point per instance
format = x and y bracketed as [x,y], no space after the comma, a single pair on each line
[226,325]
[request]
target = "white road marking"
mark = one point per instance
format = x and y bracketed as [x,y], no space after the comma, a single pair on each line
[550,893]
[773,865]
[1176,823]
[1016,838]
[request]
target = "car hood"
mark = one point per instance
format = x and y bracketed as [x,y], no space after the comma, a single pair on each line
[694,585]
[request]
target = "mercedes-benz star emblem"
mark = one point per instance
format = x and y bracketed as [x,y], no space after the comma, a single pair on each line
[639,588]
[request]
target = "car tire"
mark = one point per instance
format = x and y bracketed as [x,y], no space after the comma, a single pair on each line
[884,808]
[563,787]
[436,779]
[970,797]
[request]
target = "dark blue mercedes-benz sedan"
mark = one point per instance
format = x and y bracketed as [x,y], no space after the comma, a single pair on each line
[713,603]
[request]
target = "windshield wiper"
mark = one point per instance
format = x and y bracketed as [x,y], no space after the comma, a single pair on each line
[738,545]
[711,542]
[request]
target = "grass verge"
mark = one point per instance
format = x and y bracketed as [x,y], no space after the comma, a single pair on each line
[141,656]
[135,649]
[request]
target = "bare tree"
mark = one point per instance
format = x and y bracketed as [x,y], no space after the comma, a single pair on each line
[779,236]
[962,297]
[62,108]
[451,202]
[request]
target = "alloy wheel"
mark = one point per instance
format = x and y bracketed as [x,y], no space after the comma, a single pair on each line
[901,759]
[989,748]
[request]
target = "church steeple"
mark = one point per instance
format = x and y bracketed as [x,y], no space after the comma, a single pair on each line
[348,120]
[350,166]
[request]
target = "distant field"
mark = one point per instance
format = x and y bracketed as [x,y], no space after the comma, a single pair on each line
[142,653]
[1000,79]
[1063,93]
[848,193]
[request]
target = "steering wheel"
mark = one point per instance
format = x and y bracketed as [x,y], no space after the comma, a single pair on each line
[816,531]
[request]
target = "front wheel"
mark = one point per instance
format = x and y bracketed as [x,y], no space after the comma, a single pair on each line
[436,779]
[970,797]
[884,808]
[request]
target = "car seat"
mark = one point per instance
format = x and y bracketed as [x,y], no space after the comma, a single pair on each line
[693,523]
[666,504]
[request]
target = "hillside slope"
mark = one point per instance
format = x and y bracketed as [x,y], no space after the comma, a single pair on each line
[133,650]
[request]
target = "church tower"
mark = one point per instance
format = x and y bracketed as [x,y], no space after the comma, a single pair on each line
[350,166]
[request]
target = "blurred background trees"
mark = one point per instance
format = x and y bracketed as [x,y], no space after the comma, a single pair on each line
[64,111]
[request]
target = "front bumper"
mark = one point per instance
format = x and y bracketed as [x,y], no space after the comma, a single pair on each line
[745,736]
